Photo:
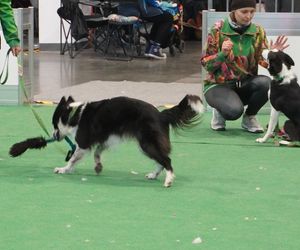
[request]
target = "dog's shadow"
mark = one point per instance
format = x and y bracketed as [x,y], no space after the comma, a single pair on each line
[34,174]
[108,177]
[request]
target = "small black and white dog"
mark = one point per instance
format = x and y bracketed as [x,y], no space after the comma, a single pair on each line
[103,123]
[284,94]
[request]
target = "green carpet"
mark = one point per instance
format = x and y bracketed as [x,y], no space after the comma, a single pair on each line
[230,191]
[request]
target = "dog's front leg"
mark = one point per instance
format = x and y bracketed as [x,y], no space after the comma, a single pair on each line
[78,154]
[274,117]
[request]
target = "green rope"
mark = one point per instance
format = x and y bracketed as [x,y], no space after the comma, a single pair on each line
[36,115]
[5,69]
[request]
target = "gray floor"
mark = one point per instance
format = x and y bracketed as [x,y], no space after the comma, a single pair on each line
[91,77]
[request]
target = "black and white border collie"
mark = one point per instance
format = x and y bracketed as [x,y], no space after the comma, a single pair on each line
[102,123]
[284,93]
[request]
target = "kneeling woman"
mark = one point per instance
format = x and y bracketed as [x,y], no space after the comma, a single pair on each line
[231,58]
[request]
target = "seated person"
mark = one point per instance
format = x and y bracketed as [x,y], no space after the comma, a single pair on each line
[192,15]
[161,29]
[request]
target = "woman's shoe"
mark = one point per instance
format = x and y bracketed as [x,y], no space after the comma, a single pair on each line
[218,123]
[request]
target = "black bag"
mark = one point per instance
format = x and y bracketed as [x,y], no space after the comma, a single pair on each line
[71,11]
[64,13]
[79,27]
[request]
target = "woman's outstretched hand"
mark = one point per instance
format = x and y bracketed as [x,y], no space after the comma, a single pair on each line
[280,43]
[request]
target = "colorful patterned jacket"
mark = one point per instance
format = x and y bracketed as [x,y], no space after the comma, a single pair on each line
[244,59]
[8,24]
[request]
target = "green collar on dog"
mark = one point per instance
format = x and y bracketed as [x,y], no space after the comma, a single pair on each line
[278,78]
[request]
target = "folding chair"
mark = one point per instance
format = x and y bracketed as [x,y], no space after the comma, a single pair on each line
[122,41]
[77,30]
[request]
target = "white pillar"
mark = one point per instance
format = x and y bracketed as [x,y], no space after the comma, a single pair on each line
[49,22]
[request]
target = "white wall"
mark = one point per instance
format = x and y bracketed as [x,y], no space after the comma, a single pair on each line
[9,92]
[13,64]
[292,50]
[49,32]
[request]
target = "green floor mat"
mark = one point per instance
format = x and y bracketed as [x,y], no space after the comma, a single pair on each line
[230,193]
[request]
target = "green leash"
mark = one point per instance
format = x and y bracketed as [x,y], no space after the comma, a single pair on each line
[36,115]
[4,72]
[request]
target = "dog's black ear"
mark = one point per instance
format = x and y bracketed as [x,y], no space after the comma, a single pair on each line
[70,99]
[62,101]
[288,61]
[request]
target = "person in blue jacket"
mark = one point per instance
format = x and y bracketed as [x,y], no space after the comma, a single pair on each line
[161,29]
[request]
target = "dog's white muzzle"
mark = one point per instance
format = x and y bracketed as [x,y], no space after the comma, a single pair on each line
[57,135]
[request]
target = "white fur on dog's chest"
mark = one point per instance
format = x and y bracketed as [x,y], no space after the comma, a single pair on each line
[287,75]
[66,129]
[113,140]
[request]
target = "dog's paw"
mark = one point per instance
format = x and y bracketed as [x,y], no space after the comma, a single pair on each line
[167,184]
[98,168]
[63,170]
[261,140]
[151,176]
[169,179]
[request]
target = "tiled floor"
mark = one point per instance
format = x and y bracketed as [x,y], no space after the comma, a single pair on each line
[91,77]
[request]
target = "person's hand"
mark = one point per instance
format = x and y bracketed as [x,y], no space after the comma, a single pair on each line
[227,47]
[280,43]
[16,50]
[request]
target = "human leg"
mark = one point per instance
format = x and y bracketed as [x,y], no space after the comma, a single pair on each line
[254,94]
[226,103]
[161,28]
[159,35]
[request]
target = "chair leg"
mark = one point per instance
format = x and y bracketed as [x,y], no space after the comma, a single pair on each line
[71,50]
[119,35]
[67,35]
[70,44]
[117,42]
[100,38]
[64,47]
[110,32]
[60,36]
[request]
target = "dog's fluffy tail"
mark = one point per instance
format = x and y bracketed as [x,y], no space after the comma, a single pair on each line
[186,113]
[31,143]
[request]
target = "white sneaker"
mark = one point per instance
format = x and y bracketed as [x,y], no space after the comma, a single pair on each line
[217,123]
[250,123]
